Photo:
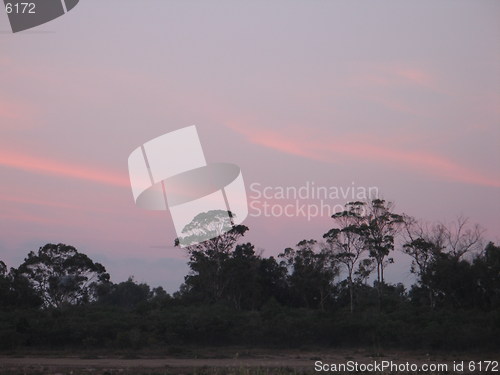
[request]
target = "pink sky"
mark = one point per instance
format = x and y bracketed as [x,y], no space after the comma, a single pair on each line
[404,97]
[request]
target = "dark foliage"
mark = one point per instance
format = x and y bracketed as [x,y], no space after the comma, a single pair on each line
[59,298]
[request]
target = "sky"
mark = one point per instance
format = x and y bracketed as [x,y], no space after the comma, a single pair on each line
[401,96]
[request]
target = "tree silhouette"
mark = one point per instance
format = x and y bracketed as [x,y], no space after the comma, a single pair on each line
[63,276]
[439,246]
[207,258]
[347,241]
[312,273]
[382,227]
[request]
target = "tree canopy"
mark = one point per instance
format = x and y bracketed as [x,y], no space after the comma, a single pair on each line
[63,276]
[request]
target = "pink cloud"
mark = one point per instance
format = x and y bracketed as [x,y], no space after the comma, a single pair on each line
[58,168]
[369,150]
[290,146]
[393,103]
[31,201]
[395,74]
[415,76]
[387,85]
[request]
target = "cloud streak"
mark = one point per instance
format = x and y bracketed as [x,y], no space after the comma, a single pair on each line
[35,164]
[367,150]
[395,75]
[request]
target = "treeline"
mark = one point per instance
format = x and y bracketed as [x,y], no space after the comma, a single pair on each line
[317,293]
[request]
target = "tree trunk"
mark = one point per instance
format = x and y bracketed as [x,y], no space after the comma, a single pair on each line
[379,285]
[351,294]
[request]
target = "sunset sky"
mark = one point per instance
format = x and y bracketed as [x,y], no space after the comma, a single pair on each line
[404,96]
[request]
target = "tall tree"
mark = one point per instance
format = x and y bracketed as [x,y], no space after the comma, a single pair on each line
[63,276]
[424,245]
[207,258]
[347,241]
[382,226]
[440,247]
[420,245]
[460,237]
